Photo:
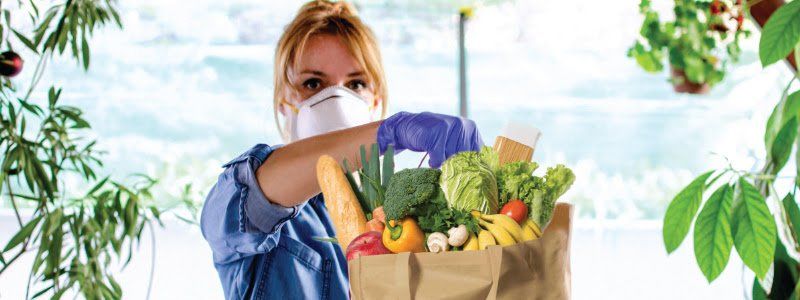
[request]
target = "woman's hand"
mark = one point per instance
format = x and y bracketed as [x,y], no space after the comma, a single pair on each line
[439,135]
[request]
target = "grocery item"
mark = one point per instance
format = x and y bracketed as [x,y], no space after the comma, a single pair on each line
[502,236]
[515,209]
[437,242]
[457,236]
[528,234]
[373,176]
[403,236]
[375,225]
[378,214]
[408,189]
[542,202]
[472,243]
[485,239]
[343,206]
[516,142]
[368,243]
[535,228]
[507,223]
[469,183]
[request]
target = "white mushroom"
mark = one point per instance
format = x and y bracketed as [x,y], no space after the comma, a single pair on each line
[458,235]
[437,242]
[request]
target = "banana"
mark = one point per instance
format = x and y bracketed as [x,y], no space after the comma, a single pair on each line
[534,227]
[500,234]
[528,234]
[472,243]
[485,239]
[507,223]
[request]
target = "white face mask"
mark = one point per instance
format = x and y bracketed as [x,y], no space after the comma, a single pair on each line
[333,108]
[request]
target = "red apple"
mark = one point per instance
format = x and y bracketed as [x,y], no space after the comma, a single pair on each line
[368,243]
[10,63]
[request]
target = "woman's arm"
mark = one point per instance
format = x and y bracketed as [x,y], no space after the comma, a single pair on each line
[288,177]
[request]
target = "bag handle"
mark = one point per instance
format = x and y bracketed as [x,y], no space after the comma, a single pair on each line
[402,267]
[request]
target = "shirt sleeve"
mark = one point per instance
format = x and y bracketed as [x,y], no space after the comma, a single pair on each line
[237,219]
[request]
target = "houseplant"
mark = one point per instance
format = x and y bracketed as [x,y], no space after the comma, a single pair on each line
[76,225]
[697,45]
[736,211]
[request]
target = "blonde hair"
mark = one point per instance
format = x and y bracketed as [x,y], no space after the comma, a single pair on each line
[327,17]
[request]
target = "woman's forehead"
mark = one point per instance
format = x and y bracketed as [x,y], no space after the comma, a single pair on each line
[327,55]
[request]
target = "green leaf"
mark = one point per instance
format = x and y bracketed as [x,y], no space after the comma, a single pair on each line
[782,146]
[792,211]
[784,110]
[40,293]
[369,193]
[712,233]
[375,174]
[681,212]
[22,234]
[25,41]
[388,166]
[780,34]
[753,229]
[356,190]
[85,52]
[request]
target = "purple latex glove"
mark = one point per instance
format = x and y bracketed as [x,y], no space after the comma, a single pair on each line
[439,135]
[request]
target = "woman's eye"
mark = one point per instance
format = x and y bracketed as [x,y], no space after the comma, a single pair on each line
[312,84]
[356,85]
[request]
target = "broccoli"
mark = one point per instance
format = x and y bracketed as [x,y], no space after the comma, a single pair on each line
[408,189]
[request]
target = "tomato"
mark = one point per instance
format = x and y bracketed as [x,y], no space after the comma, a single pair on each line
[516,209]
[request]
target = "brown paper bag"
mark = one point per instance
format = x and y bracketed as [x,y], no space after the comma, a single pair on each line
[538,269]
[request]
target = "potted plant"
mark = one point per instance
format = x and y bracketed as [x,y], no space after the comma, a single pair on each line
[744,209]
[698,44]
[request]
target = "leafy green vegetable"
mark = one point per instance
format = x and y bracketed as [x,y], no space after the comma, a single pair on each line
[515,180]
[373,179]
[435,216]
[408,189]
[557,181]
[490,158]
[469,182]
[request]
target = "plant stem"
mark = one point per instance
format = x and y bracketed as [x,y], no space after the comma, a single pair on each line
[152,259]
[13,202]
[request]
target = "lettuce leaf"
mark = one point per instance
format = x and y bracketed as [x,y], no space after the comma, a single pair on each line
[469,182]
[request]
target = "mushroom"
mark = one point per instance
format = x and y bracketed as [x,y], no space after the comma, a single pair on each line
[437,242]
[458,235]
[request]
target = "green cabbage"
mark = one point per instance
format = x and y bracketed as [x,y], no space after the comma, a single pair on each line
[469,183]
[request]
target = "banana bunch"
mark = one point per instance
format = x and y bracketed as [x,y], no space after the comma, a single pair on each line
[499,229]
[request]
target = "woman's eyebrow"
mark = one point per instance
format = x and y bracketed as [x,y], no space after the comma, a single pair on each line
[355,74]
[313,72]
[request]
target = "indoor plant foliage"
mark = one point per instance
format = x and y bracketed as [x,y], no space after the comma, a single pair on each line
[698,44]
[742,209]
[74,236]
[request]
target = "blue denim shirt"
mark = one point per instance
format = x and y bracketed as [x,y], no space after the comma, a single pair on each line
[263,250]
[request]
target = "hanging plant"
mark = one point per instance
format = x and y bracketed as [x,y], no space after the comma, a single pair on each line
[697,45]
[741,209]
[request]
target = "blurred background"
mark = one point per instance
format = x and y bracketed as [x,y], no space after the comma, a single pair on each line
[183,88]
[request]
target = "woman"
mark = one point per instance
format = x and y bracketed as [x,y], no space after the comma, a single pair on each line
[264,216]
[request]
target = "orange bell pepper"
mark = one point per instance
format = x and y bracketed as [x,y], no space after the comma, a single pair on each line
[404,236]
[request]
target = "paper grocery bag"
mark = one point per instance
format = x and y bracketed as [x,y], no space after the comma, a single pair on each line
[538,269]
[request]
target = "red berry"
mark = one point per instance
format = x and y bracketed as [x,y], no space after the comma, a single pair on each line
[10,64]
[740,20]
[717,7]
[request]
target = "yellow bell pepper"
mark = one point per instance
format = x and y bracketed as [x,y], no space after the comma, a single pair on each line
[403,236]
